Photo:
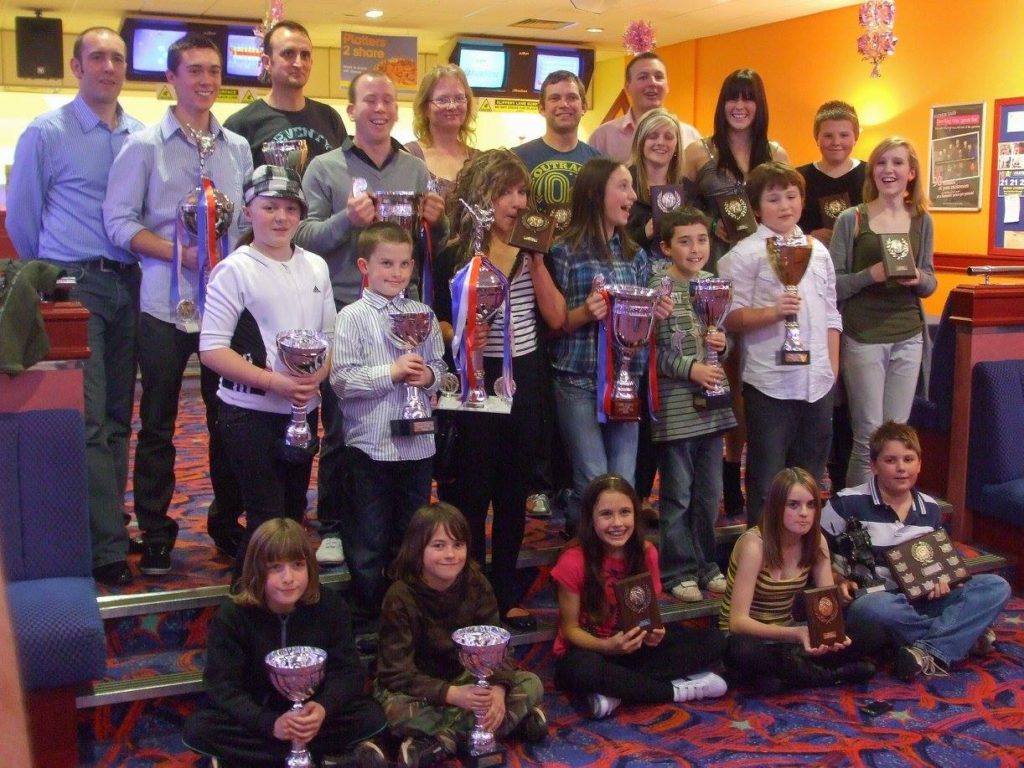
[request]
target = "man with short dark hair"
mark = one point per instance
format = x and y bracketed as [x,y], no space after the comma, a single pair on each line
[646,87]
[54,198]
[285,113]
[554,160]
[155,169]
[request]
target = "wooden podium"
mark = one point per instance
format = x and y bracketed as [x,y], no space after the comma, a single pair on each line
[989,324]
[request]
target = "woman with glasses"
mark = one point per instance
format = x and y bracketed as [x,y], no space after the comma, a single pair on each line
[443,121]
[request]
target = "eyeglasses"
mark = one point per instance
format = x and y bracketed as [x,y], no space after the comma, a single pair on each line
[442,102]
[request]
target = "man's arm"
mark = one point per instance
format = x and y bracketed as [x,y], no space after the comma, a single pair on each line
[326,226]
[26,193]
[125,202]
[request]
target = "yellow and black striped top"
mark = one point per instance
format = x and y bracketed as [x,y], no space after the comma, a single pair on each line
[773,598]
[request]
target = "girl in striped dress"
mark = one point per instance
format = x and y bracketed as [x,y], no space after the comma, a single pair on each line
[769,566]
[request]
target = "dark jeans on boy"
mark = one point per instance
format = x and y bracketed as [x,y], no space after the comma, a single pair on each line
[381,498]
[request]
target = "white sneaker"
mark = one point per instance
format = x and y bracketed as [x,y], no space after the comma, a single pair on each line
[601,705]
[704,685]
[330,551]
[538,505]
[717,585]
[688,592]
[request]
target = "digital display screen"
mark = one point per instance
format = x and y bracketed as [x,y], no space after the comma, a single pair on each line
[552,62]
[485,67]
[243,59]
[149,48]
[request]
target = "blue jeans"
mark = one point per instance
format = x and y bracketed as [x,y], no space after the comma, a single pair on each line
[594,449]
[691,488]
[946,628]
[382,497]
[109,375]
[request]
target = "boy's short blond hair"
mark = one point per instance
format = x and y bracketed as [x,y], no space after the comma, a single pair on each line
[893,431]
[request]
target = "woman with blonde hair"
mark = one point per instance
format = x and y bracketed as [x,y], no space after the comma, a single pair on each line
[444,117]
[884,353]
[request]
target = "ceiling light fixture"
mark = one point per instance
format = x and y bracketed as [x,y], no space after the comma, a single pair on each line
[595,29]
[374,13]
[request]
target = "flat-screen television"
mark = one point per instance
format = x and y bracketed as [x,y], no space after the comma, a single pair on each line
[242,59]
[485,65]
[553,59]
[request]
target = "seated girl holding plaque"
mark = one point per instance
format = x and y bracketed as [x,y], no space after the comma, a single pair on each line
[493,454]
[427,695]
[595,658]
[279,603]
[595,243]
[266,287]
[770,565]
[882,251]
[719,165]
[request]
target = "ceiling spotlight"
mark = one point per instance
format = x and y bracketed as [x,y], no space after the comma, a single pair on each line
[374,13]
[595,29]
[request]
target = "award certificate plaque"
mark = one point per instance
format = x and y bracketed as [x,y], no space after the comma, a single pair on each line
[918,564]
[665,198]
[638,605]
[831,206]
[736,213]
[897,256]
[824,616]
[533,232]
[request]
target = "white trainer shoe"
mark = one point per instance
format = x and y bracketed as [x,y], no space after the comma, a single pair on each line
[330,552]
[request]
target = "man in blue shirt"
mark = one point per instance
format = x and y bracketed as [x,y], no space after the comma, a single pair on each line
[155,169]
[54,198]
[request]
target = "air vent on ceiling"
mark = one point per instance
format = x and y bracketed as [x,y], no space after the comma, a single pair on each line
[546,24]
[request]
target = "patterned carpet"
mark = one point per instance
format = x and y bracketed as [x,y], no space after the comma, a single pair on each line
[975,717]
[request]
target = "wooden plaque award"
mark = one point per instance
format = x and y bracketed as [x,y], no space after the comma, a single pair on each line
[638,605]
[665,198]
[897,256]
[533,232]
[824,616]
[918,564]
[736,213]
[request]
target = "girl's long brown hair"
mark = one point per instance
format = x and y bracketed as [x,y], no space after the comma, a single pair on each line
[772,523]
[279,540]
[408,564]
[586,230]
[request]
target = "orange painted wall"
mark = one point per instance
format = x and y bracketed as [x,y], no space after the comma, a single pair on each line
[949,51]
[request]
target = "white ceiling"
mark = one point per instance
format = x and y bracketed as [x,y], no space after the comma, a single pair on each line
[435,22]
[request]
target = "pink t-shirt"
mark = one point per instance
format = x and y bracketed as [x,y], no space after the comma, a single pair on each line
[568,572]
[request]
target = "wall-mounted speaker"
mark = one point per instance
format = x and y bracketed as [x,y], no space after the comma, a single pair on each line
[39,47]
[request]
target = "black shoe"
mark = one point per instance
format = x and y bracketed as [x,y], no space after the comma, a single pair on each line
[137,545]
[116,574]
[526,623]
[156,560]
[227,538]
[732,492]
[422,751]
[367,754]
[533,728]
[855,672]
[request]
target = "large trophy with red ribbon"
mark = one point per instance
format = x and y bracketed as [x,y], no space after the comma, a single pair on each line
[627,328]
[205,213]
[479,292]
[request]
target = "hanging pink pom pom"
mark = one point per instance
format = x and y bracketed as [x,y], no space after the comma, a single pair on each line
[638,37]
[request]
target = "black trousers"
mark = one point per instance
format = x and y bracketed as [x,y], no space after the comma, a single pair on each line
[217,734]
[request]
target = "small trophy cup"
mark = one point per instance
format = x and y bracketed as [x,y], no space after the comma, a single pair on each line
[186,308]
[481,650]
[710,298]
[289,153]
[399,208]
[789,260]
[296,672]
[407,331]
[303,352]
[632,320]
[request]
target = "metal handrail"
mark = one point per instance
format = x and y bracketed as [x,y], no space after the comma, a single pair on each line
[988,271]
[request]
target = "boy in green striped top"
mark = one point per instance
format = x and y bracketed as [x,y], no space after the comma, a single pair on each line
[688,441]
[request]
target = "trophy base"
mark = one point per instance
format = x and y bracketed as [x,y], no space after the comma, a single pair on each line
[297,454]
[625,410]
[794,357]
[703,402]
[412,427]
[483,759]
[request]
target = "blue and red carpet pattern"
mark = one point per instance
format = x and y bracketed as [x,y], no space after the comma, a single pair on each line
[975,717]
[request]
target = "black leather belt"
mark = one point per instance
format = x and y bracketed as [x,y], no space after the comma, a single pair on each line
[103,264]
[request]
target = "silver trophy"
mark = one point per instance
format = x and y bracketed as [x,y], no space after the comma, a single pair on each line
[401,208]
[632,320]
[789,258]
[407,330]
[481,651]
[303,352]
[287,153]
[296,672]
[491,294]
[188,214]
[710,298]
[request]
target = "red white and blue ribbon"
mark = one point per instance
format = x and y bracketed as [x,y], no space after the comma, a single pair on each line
[208,249]
[463,289]
[605,362]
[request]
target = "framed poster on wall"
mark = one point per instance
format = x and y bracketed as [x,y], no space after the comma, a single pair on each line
[955,171]
[1006,221]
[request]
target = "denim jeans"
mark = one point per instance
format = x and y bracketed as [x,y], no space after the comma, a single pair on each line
[109,375]
[880,380]
[163,353]
[691,489]
[946,628]
[270,487]
[382,498]
[594,448]
[780,434]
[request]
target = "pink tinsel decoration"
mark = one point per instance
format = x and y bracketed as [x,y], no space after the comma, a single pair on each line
[639,37]
[270,18]
[878,41]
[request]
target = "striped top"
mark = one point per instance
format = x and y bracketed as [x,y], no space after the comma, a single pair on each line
[524,318]
[773,598]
